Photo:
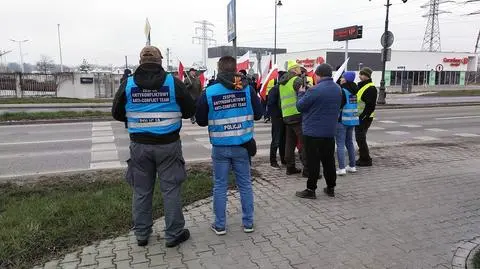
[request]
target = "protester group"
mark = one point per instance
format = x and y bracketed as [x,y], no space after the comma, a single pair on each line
[310,114]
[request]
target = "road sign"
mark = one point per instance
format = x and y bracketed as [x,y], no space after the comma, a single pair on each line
[231,21]
[388,54]
[348,33]
[388,40]
[439,68]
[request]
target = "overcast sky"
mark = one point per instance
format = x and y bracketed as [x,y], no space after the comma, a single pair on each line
[104,31]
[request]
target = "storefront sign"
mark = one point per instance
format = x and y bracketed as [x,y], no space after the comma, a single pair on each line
[348,33]
[455,61]
[310,63]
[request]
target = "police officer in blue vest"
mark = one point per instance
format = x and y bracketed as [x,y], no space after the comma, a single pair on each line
[153,104]
[229,108]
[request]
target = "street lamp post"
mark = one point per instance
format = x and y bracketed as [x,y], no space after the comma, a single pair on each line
[60,48]
[21,53]
[382,94]
[278,3]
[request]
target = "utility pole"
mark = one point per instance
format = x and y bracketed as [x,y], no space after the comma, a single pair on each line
[2,53]
[126,62]
[204,34]
[19,42]
[168,60]
[60,48]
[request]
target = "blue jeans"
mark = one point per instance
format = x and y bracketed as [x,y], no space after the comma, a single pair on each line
[224,158]
[344,138]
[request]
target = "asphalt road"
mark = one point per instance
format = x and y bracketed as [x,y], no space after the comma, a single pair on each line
[49,148]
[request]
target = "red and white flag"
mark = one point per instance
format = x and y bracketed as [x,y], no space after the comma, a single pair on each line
[181,69]
[265,68]
[243,63]
[273,74]
[202,79]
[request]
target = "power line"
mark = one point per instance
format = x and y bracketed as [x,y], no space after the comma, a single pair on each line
[204,34]
[431,39]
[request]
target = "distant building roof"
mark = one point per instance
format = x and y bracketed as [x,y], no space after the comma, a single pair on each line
[220,51]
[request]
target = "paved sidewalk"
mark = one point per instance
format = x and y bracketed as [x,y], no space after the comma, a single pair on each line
[411,210]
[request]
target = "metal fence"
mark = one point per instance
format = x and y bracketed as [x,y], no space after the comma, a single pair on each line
[106,85]
[31,84]
[472,78]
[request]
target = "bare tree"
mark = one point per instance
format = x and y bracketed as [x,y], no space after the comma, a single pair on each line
[85,66]
[45,65]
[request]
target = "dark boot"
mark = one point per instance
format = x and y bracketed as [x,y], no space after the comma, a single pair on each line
[293,170]
[307,194]
[363,163]
[329,191]
[184,236]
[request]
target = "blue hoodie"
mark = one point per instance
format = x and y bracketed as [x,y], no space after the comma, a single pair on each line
[320,108]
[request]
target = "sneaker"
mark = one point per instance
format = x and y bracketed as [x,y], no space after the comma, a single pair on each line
[329,191]
[218,231]
[184,236]
[307,194]
[291,171]
[341,172]
[363,163]
[248,229]
[351,169]
[275,166]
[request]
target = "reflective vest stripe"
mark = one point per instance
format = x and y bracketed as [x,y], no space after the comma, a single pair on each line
[230,120]
[350,110]
[361,104]
[161,115]
[231,133]
[153,124]
[349,118]
[288,96]
[289,105]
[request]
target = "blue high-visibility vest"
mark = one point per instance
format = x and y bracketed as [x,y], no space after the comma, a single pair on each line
[230,115]
[350,110]
[152,111]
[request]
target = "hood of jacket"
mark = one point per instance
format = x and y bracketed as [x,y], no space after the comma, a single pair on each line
[149,76]
[350,86]
[232,80]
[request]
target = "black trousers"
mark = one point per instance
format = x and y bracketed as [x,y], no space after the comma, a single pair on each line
[361,137]
[320,149]
[278,140]
[293,134]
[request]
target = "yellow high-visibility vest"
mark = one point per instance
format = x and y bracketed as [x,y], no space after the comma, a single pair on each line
[360,102]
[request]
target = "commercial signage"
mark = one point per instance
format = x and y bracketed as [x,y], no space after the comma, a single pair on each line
[231,21]
[310,63]
[86,80]
[348,33]
[455,61]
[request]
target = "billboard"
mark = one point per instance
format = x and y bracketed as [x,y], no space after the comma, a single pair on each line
[231,21]
[348,33]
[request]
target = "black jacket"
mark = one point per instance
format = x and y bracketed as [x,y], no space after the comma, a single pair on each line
[352,88]
[151,76]
[370,99]
[273,102]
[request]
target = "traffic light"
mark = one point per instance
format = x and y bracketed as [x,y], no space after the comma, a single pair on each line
[359,31]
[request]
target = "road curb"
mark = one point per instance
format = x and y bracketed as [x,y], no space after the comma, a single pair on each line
[379,107]
[464,252]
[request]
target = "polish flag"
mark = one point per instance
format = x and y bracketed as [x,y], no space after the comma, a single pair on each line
[181,69]
[243,63]
[202,79]
[273,74]
[267,66]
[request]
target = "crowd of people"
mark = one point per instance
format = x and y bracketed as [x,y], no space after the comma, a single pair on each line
[309,116]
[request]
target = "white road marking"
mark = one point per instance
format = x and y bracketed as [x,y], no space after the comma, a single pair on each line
[467,135]
[425,138]
[44,125]
[102,133]
[44,153]
[435,130]
[99,156]
[375,128]
[101,128]
[462,117]
[103,139]
[411,125]
[388,121]
[105,165]
[103,147]
[397,132]
[101,123]
[46,141]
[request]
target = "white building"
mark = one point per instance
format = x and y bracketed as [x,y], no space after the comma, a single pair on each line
[419,67]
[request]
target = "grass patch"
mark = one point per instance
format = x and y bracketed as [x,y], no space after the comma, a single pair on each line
[476,260]
[17,116]
[454,93]
[50,100]
[41,221]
